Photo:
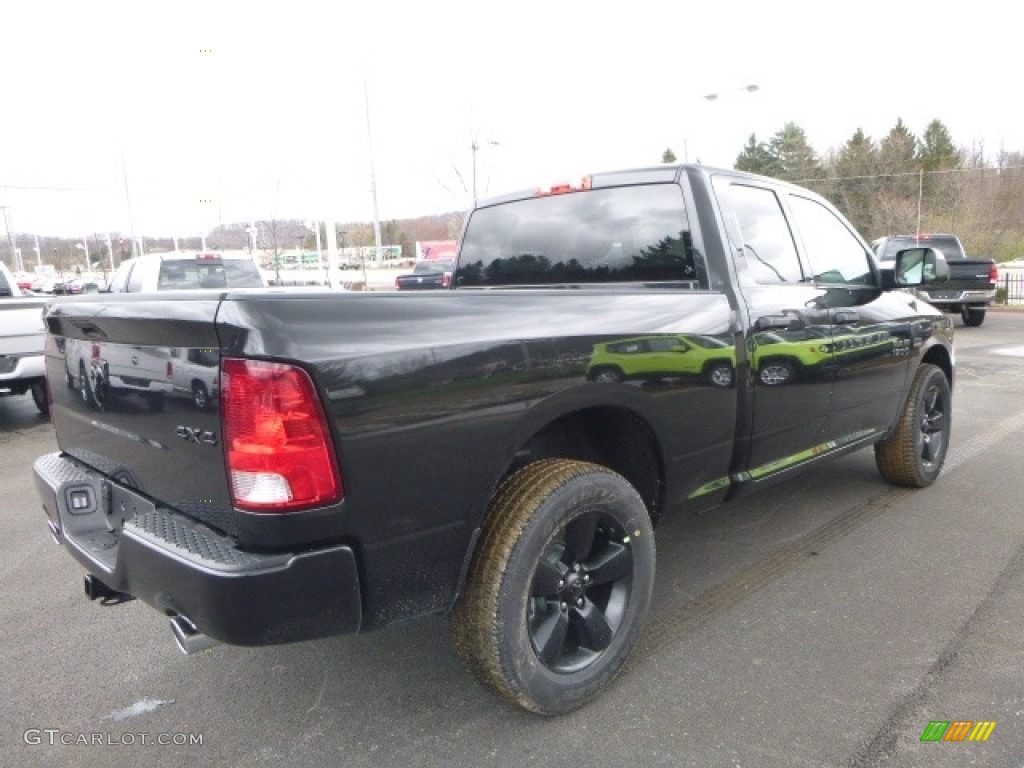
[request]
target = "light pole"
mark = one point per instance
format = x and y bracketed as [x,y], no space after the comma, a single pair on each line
[752,88]
[476,147]
[712,97]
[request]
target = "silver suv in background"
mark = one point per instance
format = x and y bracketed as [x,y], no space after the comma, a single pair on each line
[182,272]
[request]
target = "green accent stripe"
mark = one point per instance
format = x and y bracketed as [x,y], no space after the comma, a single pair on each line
[810,453]
[714,485]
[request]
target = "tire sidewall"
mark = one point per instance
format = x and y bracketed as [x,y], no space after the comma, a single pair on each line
[552,692]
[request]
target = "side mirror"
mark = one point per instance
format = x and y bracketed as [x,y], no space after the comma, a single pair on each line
[919,266]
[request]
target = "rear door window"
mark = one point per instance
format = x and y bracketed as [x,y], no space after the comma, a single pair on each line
[607,235]
[754,220]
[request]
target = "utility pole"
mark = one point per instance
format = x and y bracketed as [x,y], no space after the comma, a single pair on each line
[475,147]
[10,238]
[128,201]
[373,175]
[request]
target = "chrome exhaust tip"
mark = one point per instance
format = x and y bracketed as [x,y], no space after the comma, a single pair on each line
[189,639]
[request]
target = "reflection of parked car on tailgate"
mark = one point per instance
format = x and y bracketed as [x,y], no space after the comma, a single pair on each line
[194,373]
[178,271]
[103,372]
[656,357]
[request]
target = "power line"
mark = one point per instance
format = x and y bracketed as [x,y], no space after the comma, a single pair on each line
[908,173]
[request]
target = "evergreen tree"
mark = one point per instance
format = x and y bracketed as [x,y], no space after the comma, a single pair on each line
[855,168]
[796,159]
[940,190]
[899,167]
[898,152]
[936,149]
[668,156]
[757,158]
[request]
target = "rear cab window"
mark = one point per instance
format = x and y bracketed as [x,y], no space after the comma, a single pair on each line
[183,274]
[628,234]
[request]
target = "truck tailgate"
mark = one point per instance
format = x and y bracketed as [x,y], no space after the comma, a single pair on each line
[134,386]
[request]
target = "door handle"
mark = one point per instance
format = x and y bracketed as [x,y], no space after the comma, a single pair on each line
[845,317]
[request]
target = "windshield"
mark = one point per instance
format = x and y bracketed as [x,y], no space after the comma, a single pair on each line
[618,234]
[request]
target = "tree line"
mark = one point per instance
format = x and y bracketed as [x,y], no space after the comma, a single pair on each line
[904,183]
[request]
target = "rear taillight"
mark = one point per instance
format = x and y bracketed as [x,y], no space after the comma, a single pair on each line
[277,444]
[993,274]
[446,279]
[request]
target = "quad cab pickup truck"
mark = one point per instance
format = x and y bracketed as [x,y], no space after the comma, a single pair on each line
[971,287]
[21,342]
[307,498]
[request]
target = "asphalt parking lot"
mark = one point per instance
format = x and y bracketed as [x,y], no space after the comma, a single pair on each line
[825,622]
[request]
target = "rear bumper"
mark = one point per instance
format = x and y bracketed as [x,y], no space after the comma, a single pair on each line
[181,567]
[942,298]
[17,371]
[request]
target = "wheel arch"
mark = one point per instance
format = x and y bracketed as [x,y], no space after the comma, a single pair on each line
[939,355]
[585,426]
[614,436]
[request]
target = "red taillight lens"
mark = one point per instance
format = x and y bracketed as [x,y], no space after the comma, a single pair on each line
[993,274]
[277,444]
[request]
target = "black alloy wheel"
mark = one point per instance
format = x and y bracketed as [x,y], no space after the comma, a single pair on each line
[913,455]
[559,586]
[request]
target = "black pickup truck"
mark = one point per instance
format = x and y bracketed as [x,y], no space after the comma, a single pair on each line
[375,457]
[971,287]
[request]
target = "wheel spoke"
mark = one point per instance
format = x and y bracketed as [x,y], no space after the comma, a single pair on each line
[579,537]
[594,629]
[936,423]
[931,447]
[612,563]
[546,579]
[549,635]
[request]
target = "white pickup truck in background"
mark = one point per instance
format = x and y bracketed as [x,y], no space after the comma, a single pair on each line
[22,335]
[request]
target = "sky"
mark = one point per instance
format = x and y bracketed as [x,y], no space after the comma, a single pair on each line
[167,119]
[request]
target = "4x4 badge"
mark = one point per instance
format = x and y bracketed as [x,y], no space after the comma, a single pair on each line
[193,435]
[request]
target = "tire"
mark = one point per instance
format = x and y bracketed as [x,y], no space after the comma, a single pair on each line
[775,373]
[607,376]
[85,387]
[40,397]
[559,586]
[973,316]
[200,397]
[914,454]
[720,375]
